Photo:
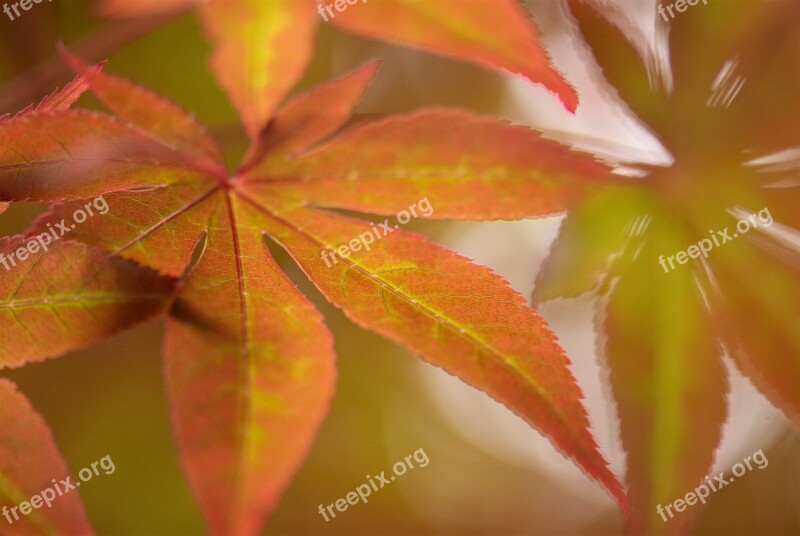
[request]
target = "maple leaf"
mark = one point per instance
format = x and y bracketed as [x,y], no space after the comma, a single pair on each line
[60,99]
[29,462]
[56,296]
[250,38]
[69,297]
[249,364]
[726,109]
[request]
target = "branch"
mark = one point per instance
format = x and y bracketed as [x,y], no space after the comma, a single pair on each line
[22,89]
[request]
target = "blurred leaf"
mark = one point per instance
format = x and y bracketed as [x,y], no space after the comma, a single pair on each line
[143,8]
[758,321]
[592,235]
[29,464]
[250,60]
[728,100]
[665,373]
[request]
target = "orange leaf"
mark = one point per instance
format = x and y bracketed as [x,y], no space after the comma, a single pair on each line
[456,314]
[60,99]
[69,297]
[142,108]
[250,378]
[309,118]
[29,463]
[464,30]
[490,169]
[79,154]
[251,39]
